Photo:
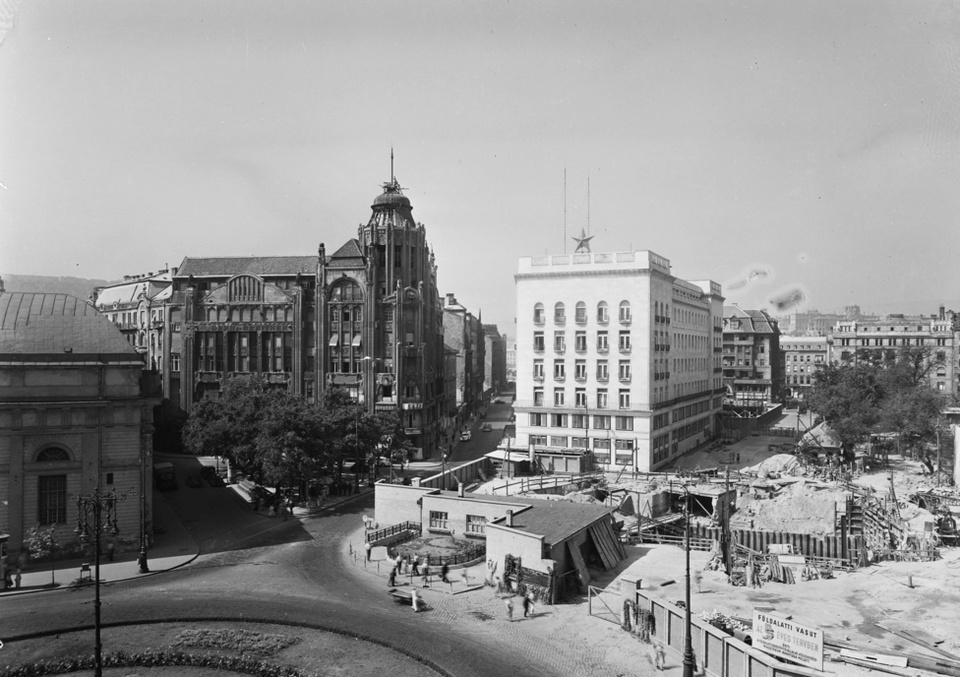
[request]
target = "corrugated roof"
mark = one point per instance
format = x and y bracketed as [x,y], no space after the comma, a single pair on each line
[227,266]
[56,323]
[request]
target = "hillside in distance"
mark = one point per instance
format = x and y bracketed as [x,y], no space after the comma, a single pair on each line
[75,286]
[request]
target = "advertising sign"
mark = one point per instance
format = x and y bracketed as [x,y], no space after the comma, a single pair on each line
[788,639]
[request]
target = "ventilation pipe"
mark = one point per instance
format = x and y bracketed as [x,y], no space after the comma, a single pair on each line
[509,518]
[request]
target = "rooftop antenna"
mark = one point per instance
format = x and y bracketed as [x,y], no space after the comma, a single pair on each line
[393,179]
[564,210]
[588,204]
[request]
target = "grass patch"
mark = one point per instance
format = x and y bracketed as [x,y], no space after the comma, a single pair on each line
[240,641]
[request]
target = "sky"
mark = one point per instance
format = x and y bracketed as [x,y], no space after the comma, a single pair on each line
[770,146]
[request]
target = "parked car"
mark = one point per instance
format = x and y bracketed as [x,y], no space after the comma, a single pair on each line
[486,427]
[465,436]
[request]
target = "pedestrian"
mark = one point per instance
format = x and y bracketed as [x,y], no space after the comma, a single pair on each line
[426,575]
[698,579]
[526,605]
[416,566]
[659,656]
[392,581]
[16,577]
[414,600]
[509,605]
[369,549]
[444,570]
[110,548]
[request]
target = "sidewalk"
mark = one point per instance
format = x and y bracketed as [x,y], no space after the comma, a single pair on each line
[172,548]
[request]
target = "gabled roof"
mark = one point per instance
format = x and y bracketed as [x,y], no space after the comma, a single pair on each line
[348,256]
[751,321]
[228,266]
[57,324]
[129,291]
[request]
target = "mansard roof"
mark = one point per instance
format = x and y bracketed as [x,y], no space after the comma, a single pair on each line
[228,266]
[57,324]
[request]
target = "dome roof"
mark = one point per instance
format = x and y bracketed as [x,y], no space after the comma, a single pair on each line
[391,196]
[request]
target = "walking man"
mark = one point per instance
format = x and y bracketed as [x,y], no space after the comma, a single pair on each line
[509,605]
[426,575]
[416,566]
[369,549]
[526,605]
[444,570]
[659,656]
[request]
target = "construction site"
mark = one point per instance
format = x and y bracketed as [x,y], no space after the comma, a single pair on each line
[865,553]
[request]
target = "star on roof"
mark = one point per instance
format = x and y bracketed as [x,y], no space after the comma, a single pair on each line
[583,242]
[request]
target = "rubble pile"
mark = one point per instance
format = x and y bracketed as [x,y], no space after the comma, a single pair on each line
[797,507]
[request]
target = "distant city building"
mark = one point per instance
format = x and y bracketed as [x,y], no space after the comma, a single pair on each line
[366,318]
[801,358]
[135,306]
[809,323]
[511,361]
[873,339]
[751,358]
[495,359]
[73,419]
[463,333]
[617,360]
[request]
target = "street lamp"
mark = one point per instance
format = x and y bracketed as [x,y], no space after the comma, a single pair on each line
[95,514]
[688,661]
[144,483]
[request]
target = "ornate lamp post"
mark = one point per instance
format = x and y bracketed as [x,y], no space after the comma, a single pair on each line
[688,660]
[97,513]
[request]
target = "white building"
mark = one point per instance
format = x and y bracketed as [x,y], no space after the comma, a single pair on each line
[617,357]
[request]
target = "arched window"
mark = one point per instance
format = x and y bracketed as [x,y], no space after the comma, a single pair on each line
[538,314]
[581,313]
[52,455]
[625,311]
[559,314]
[603,312]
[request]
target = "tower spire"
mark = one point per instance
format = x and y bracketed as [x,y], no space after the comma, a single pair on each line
[393,179]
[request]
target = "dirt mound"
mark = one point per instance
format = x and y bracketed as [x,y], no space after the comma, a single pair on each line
[795,508]
[776,466]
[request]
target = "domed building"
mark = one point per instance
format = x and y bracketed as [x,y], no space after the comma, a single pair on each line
[73,418]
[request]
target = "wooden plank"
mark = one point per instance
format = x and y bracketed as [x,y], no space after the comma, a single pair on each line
[603,548]
[579,564]
[903,634]
[883,659]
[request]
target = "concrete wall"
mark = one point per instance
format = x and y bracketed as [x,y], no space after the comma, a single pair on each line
[503,541]
[458,508]
[395,503]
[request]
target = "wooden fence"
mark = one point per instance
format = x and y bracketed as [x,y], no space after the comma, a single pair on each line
[520,485]
[831,547]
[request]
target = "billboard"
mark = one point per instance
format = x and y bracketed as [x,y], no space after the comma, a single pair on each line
[785,638]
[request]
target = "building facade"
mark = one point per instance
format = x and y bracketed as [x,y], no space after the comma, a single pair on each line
[366,318]
[495,360]
[136,307]
[72,419]
[380,321]
[801,358]
[751,358]
[883,336]
[616,357]
[463,333]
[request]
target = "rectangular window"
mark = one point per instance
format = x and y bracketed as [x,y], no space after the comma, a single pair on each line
[624,399]
[559,341]
[538,397]
[624,370]
[476,525]
[540,440]
[624,422]
[538,314]
[538,342]
[580,370]
[579,442]
[601,451]
[558,420]
[538,420]
[581,397]
[580,342]
[438,520]
[174,361]
[624,449]
[558,441]
[52,499]
[625,341]
[602,398]
[558,397]
[578,421]
[602,345]
[538,369]
[624,313]
[602,371]
[559,370]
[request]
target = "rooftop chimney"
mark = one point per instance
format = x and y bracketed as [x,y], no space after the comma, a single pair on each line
[460,489]
[509,518]
[451,299]
[942,315]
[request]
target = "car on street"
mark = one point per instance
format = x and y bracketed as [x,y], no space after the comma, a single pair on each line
[465,436]
[486,427]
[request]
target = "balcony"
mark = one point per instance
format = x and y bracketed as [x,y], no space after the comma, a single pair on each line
[581,348]
[580,377]
[603,349]
[625,350]
[538,378]
[581,319]
[560,320]
[560,378]
[560,350]
[625,378]
[626,321]
[603,378]
[538,348]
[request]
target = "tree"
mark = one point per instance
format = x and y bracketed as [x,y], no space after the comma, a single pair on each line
[42,542]
[880,391]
